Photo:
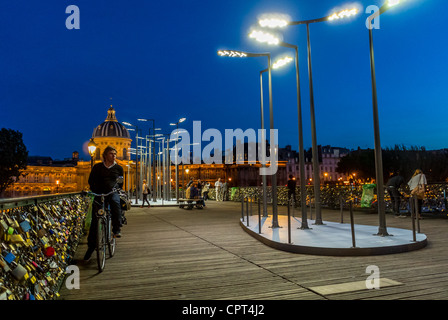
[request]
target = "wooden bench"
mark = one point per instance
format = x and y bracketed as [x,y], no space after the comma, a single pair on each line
[190,203]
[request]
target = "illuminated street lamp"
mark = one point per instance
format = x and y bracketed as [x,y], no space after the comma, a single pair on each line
[176,158]
[137,183]
[92,148]
[153,180]
[259,37]
[382,229]
[242,54]
[281,62]
[277,64]
[166,165]
[264,37]
[186,173]
[343,14]
[276,21]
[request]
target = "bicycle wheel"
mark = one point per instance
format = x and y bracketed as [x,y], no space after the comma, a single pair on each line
[101,244]
[112,241]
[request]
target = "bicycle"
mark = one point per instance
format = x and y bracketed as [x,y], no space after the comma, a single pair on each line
[104,236]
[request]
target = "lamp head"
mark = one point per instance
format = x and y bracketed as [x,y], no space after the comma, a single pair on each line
[281,62]
[92,147]
[232,53]
[274,20]
[264,36]
[344,13]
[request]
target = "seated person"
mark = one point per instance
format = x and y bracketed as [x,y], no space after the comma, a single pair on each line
[194,194]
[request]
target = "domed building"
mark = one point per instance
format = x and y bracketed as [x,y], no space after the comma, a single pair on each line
[44,175]
[112,133]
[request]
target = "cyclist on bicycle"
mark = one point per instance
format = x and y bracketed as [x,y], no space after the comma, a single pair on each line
[102,180]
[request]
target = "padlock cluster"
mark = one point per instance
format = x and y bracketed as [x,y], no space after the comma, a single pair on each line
[38,242]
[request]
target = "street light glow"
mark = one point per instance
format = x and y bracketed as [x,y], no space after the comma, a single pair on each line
[274,20]
[232,54]
[281,62]
[92,147]
[345,13]
[392,3]
[273,23]
[180,120]
[263,36]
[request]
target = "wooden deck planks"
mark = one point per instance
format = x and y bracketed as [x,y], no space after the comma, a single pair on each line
[173,254]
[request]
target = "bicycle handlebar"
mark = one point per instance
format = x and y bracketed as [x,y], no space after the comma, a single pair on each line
[103,194]
[114,189]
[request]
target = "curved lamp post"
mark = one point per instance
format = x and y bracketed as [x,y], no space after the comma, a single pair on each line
[259,37]
[137,183]
[153,180]
[275,65]
[176,159]
[382,229]
[242,54]
[280,22]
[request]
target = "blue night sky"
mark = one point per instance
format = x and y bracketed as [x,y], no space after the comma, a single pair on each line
[158,60]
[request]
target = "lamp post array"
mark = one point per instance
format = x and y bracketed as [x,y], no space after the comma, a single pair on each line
[272,39]
[137,186]
[176,158]
[271,21]
[153,161]
[281,22]
[164,153]
[151,181]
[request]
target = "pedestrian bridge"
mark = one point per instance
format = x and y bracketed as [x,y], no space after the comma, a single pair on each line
[167,253]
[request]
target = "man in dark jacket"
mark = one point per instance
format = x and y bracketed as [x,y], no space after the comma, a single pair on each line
[103,178]
[292,188]
[393,184]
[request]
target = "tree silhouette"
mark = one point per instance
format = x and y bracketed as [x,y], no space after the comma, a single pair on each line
[433,163]
[13,157]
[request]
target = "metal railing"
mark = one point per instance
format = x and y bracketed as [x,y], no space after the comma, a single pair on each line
[436,200]
[415,216]
[247,203]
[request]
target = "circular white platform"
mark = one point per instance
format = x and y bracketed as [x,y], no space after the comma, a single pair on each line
[332,238]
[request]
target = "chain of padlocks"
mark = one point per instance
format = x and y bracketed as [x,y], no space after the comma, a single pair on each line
[37,243]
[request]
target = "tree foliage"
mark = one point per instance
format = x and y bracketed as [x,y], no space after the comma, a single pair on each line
[433,163]
[361,162]
[13,157]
